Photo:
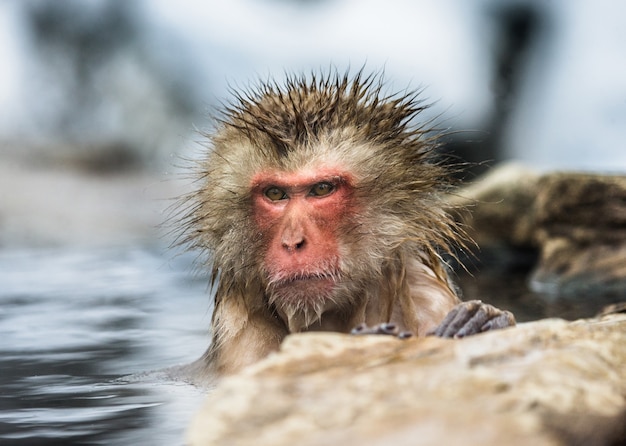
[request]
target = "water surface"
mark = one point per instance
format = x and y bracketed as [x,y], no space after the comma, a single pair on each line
[76,325]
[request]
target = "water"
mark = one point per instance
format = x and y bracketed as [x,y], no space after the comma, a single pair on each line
[74,328]
[500,277]
[78,329]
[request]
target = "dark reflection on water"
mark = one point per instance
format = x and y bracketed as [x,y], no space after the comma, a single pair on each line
[75,324]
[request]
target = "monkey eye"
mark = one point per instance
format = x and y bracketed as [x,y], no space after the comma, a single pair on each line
[275,194]
[321,189]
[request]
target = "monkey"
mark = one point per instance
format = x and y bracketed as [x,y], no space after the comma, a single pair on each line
[319,207]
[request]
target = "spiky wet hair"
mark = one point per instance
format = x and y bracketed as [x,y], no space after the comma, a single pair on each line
[314,120]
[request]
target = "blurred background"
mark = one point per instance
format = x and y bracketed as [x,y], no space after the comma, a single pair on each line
[113,88]
[101,102]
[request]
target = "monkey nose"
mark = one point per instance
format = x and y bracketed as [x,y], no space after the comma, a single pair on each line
[293,243]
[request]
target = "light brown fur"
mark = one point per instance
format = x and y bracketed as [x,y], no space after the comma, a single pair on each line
[390,247]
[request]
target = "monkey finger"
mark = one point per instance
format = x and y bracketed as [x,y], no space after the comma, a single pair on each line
[475,323]
[386,328]
[480,321]
[457,318]
[440,329]
[486,318]
[359,329]
[502,320]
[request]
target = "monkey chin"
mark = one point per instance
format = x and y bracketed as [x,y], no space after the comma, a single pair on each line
[301,301]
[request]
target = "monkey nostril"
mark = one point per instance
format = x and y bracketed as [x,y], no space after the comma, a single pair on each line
[293,245]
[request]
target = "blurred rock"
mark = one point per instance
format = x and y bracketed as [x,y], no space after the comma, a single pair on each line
[577,221]
[542,383]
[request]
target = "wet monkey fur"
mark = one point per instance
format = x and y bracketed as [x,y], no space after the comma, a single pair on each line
[318,205]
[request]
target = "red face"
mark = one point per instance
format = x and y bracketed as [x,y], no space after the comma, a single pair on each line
[299,215]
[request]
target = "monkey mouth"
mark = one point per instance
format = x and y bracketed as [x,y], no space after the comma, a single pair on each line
[304,278]
[310,277]
[305,296]
[318,280]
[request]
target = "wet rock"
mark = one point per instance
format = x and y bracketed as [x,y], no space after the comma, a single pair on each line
[542,383]
[577,222]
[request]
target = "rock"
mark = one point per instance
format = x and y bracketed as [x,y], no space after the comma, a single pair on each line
[498,206]
[581,228]
[577,221]
[542,383]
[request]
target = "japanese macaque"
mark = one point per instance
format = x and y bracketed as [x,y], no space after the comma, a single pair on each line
[319,207]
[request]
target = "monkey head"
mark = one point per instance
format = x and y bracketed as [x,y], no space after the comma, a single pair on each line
[315,193]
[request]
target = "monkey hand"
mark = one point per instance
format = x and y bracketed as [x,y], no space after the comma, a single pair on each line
[472,317]
[386,328]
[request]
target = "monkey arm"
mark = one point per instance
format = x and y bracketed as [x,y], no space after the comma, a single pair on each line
[241,335]
[438,311]
[428,301]
[415,305]
[432,308]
